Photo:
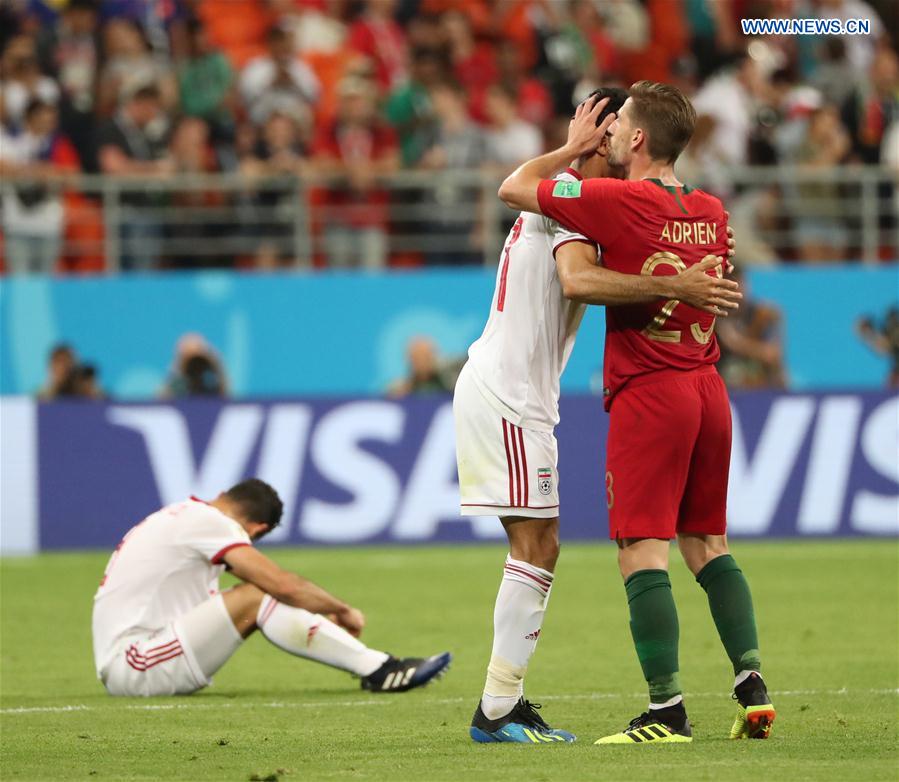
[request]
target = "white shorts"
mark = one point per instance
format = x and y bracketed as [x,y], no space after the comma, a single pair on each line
[504,470]
[177,659]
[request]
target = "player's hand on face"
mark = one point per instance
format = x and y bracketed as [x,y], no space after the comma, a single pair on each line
[697,287]
[352,620]
[731,246]
[583,136]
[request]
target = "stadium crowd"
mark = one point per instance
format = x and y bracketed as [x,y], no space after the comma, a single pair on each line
[338,95]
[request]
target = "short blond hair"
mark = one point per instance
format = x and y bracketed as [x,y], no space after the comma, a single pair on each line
[666,115]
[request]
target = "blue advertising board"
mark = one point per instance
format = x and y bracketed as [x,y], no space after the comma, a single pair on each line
[345,333]
[369,470]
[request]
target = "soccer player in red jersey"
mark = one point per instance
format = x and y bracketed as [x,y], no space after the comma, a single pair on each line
[668,448]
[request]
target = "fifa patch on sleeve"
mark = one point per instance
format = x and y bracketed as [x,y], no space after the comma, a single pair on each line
[565,189]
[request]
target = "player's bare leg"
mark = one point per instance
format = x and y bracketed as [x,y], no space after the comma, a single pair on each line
[503,714]
[315,637]
[654,626]
[730,603]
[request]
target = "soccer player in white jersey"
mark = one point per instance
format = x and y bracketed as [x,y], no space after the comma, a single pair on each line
[162,627]
[506,408]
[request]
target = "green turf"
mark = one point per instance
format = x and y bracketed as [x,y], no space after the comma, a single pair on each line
[828,623]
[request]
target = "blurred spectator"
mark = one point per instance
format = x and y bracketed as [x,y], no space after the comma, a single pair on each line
[426,376]
[409,108]
[751,342]
[196,370]
[205,81]
[358,147]
[873,106]
[834,75]
[133,143]
[316,27]
[713,33]
[81,383]
[859,48]
[820,231]
[533,99]
[129,66]
[278,80]
[889,157]
[459,144]
[579,51]
[33,217]
[279,152]
[376,35]
[60,362]
[68,51]
[883,338]
[473,62]
[192,237]
[726,108]
[510,139]
[22,80]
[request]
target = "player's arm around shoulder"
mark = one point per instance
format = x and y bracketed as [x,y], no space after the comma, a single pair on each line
[254,567]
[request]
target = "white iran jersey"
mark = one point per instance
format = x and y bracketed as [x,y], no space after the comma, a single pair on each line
[164,567]
[518,361]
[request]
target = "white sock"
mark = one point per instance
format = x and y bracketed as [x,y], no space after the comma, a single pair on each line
[742,676]
[670,702]
[517,619]
[303,634]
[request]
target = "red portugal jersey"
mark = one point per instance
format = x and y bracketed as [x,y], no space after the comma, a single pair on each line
[645,227]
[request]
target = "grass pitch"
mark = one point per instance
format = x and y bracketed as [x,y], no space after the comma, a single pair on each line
[827,616]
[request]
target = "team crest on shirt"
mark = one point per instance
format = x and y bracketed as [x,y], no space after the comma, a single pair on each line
[544,480]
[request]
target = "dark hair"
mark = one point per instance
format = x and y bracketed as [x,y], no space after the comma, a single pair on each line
[35,105]
[666,116]
[147,92]
[82,5]
[277,32]
[616,95]
[61,349]
[258,502]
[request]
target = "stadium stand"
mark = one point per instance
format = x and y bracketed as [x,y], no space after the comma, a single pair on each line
[290,97]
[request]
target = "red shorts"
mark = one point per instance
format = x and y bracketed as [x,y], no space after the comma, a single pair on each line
[668,455]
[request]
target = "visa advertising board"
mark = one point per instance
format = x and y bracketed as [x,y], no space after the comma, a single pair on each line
[358,471]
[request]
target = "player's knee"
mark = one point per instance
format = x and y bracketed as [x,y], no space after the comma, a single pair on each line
[698,550]
[242,602]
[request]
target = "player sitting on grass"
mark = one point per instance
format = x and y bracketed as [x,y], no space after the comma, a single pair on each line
[506,407]
[161,626]
[669,441]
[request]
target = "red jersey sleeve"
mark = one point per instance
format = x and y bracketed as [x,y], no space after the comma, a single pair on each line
[592,207]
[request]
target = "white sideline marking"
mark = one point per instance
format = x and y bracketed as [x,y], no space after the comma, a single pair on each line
[593,696]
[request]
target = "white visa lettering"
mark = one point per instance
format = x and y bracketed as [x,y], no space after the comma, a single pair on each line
[873,513]
[373,485]
[167,440]
[281,458]
[756,487]
[432,493]
[829,465]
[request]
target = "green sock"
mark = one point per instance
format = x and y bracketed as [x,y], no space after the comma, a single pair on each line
[731,604]
[655,630]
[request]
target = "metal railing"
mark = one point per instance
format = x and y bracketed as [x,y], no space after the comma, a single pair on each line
[412,218]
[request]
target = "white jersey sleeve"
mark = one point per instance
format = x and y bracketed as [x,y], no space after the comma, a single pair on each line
[212,534]
[561,235]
